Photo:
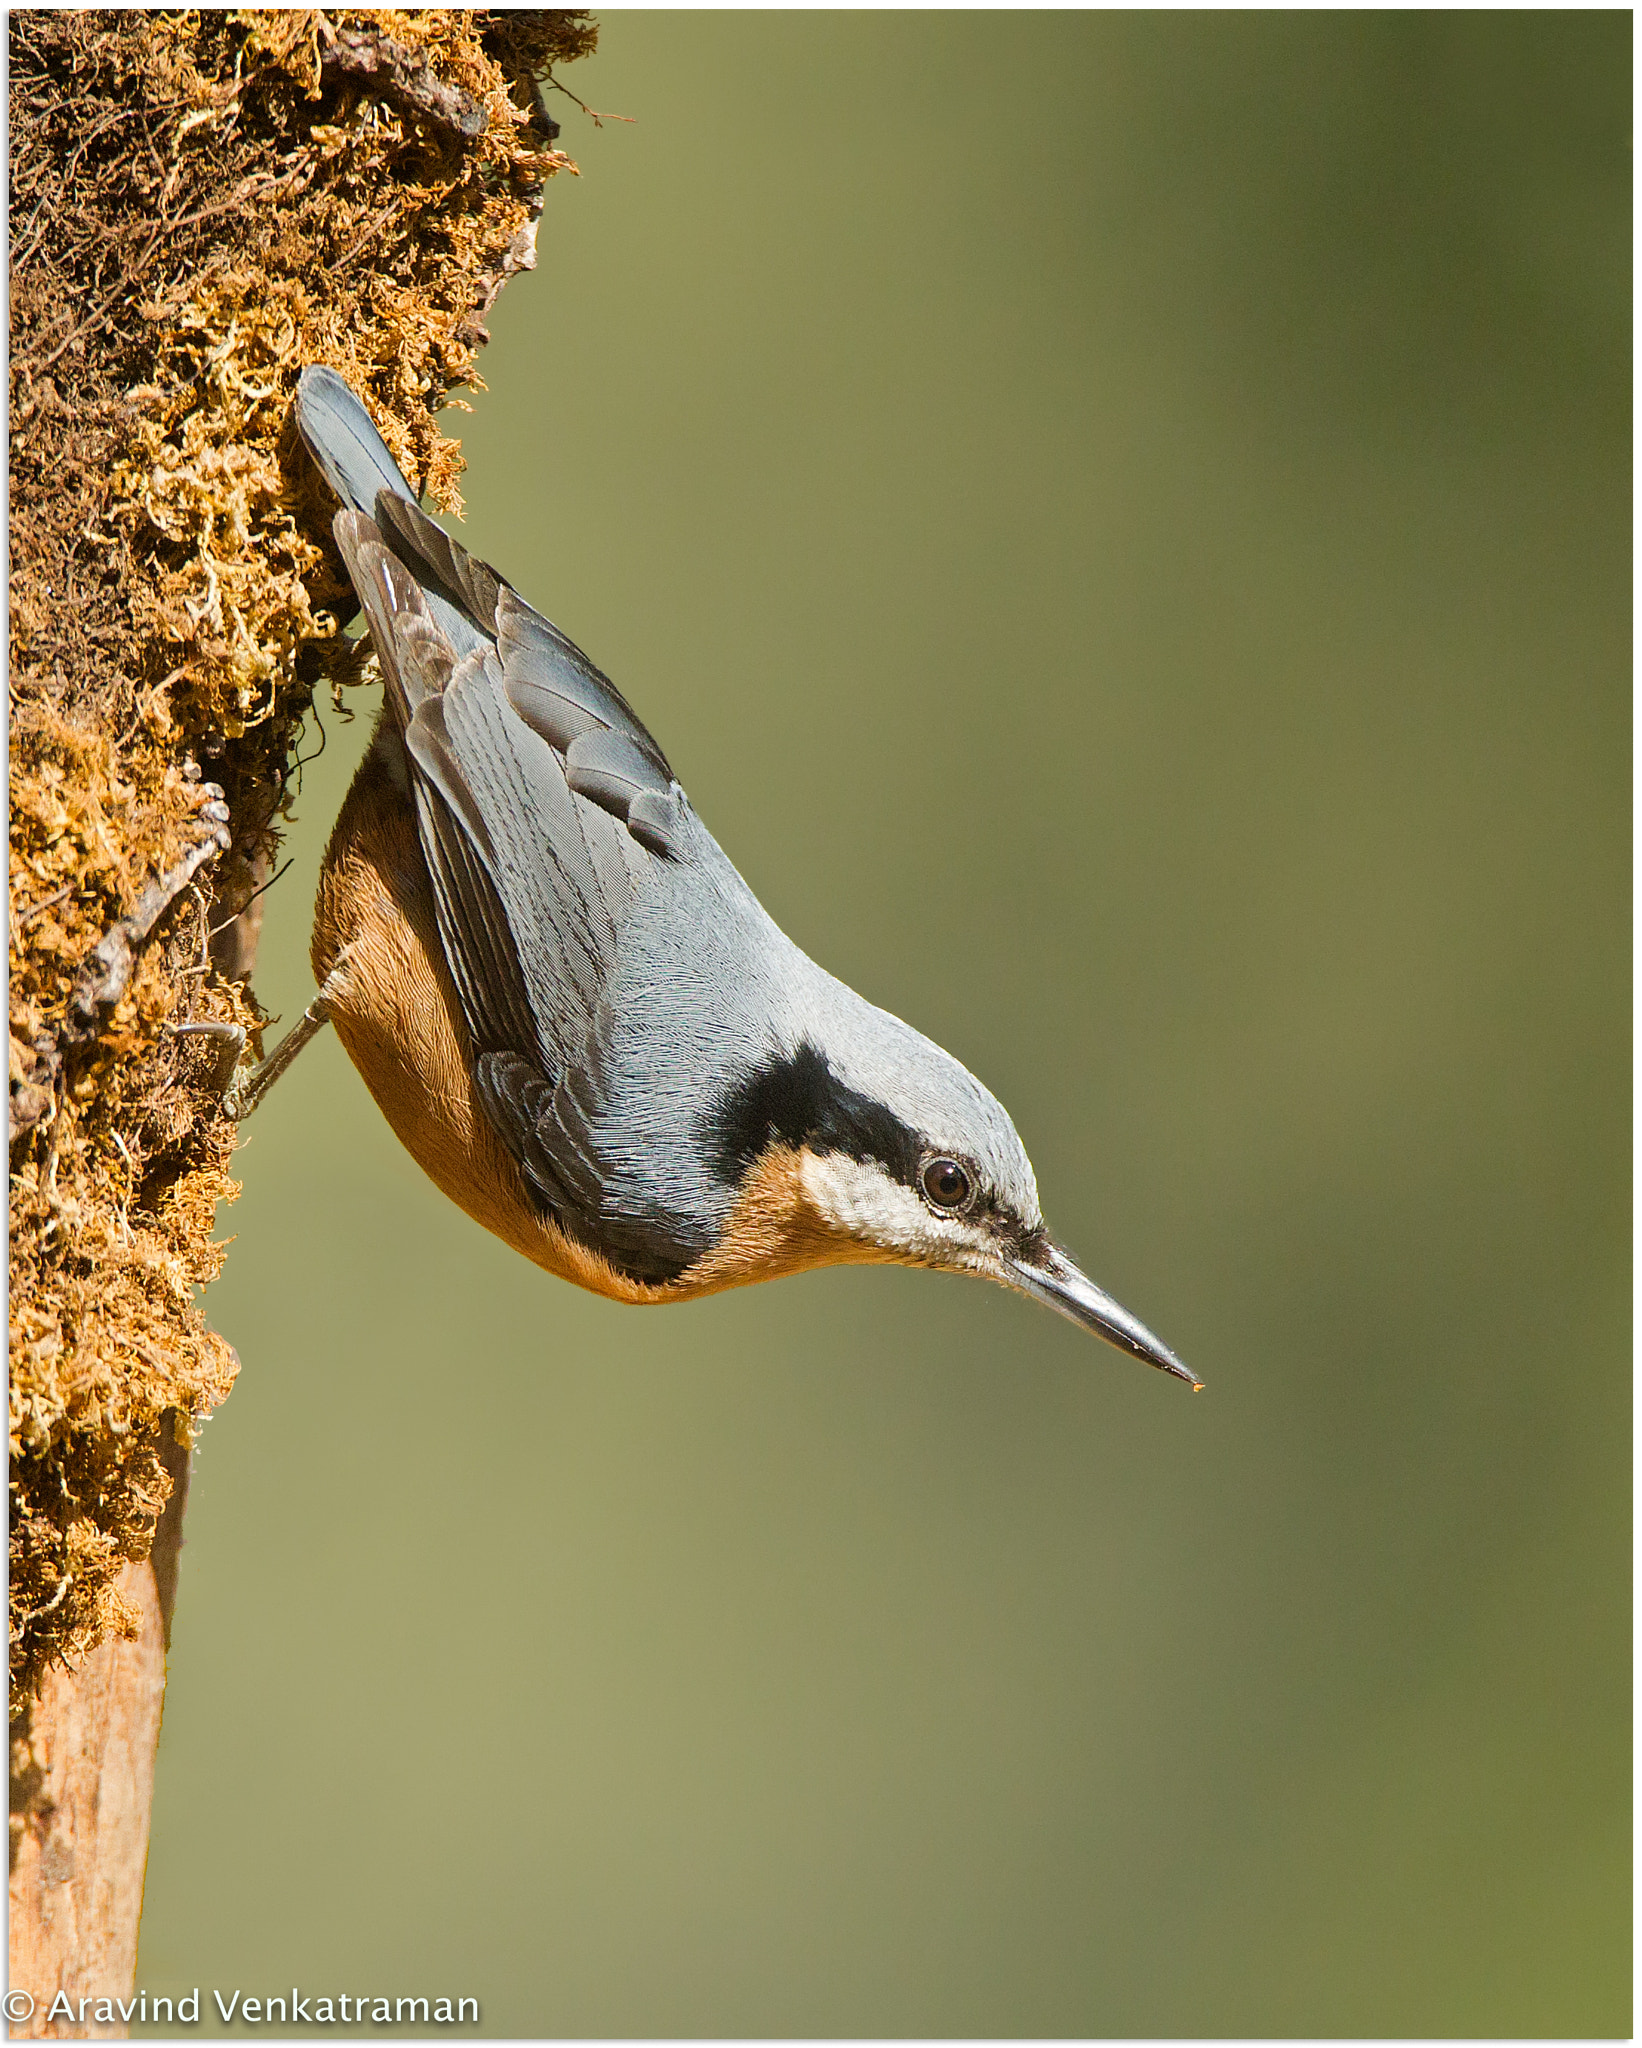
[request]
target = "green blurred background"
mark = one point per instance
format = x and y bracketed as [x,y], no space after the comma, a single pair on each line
[1122,524]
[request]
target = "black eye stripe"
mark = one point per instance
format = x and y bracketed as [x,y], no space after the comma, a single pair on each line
[796,1099]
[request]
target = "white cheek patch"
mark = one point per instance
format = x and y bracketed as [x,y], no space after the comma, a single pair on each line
[862,1201]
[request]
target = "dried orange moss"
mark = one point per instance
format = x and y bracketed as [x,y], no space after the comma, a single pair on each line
[201,202]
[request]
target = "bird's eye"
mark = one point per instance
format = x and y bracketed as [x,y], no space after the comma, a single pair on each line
[945,1183]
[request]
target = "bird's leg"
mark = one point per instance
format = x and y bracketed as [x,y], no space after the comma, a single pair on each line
[244,1085]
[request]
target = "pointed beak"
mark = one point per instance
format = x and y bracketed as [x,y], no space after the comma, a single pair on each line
[1049,1276]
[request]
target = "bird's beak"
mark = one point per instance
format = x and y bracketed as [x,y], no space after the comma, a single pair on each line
[1050,1277]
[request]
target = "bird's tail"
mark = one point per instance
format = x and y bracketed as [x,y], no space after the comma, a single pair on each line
[352,456]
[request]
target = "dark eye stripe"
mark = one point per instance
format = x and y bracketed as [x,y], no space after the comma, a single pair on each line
[796,1099]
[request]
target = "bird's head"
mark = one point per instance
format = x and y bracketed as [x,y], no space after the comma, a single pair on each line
[901,1156]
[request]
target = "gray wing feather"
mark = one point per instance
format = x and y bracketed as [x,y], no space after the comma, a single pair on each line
[612,768]
[508,788]
[547,815]
[476,936]
[384,591]
[555,688]
[441,564]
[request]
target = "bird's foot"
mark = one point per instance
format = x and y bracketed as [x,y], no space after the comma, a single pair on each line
[242,1083]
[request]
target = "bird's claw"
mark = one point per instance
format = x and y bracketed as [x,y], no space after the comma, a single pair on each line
[233,1072]
[243,1082]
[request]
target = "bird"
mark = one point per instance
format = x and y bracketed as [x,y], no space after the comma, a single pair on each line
[570,1007]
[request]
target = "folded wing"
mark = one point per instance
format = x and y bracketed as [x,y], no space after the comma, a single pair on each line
[545,812]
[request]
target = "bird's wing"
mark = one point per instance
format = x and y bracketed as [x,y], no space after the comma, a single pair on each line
[541,823]
[547,814]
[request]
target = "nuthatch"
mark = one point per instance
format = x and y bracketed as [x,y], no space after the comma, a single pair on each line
[568,1004]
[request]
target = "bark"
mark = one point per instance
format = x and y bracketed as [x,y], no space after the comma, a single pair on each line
[201,202]
[82,1788]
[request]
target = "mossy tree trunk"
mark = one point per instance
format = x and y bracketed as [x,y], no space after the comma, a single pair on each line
[201,202]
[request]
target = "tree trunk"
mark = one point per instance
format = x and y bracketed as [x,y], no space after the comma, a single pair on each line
[201,202]
[82,1786]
